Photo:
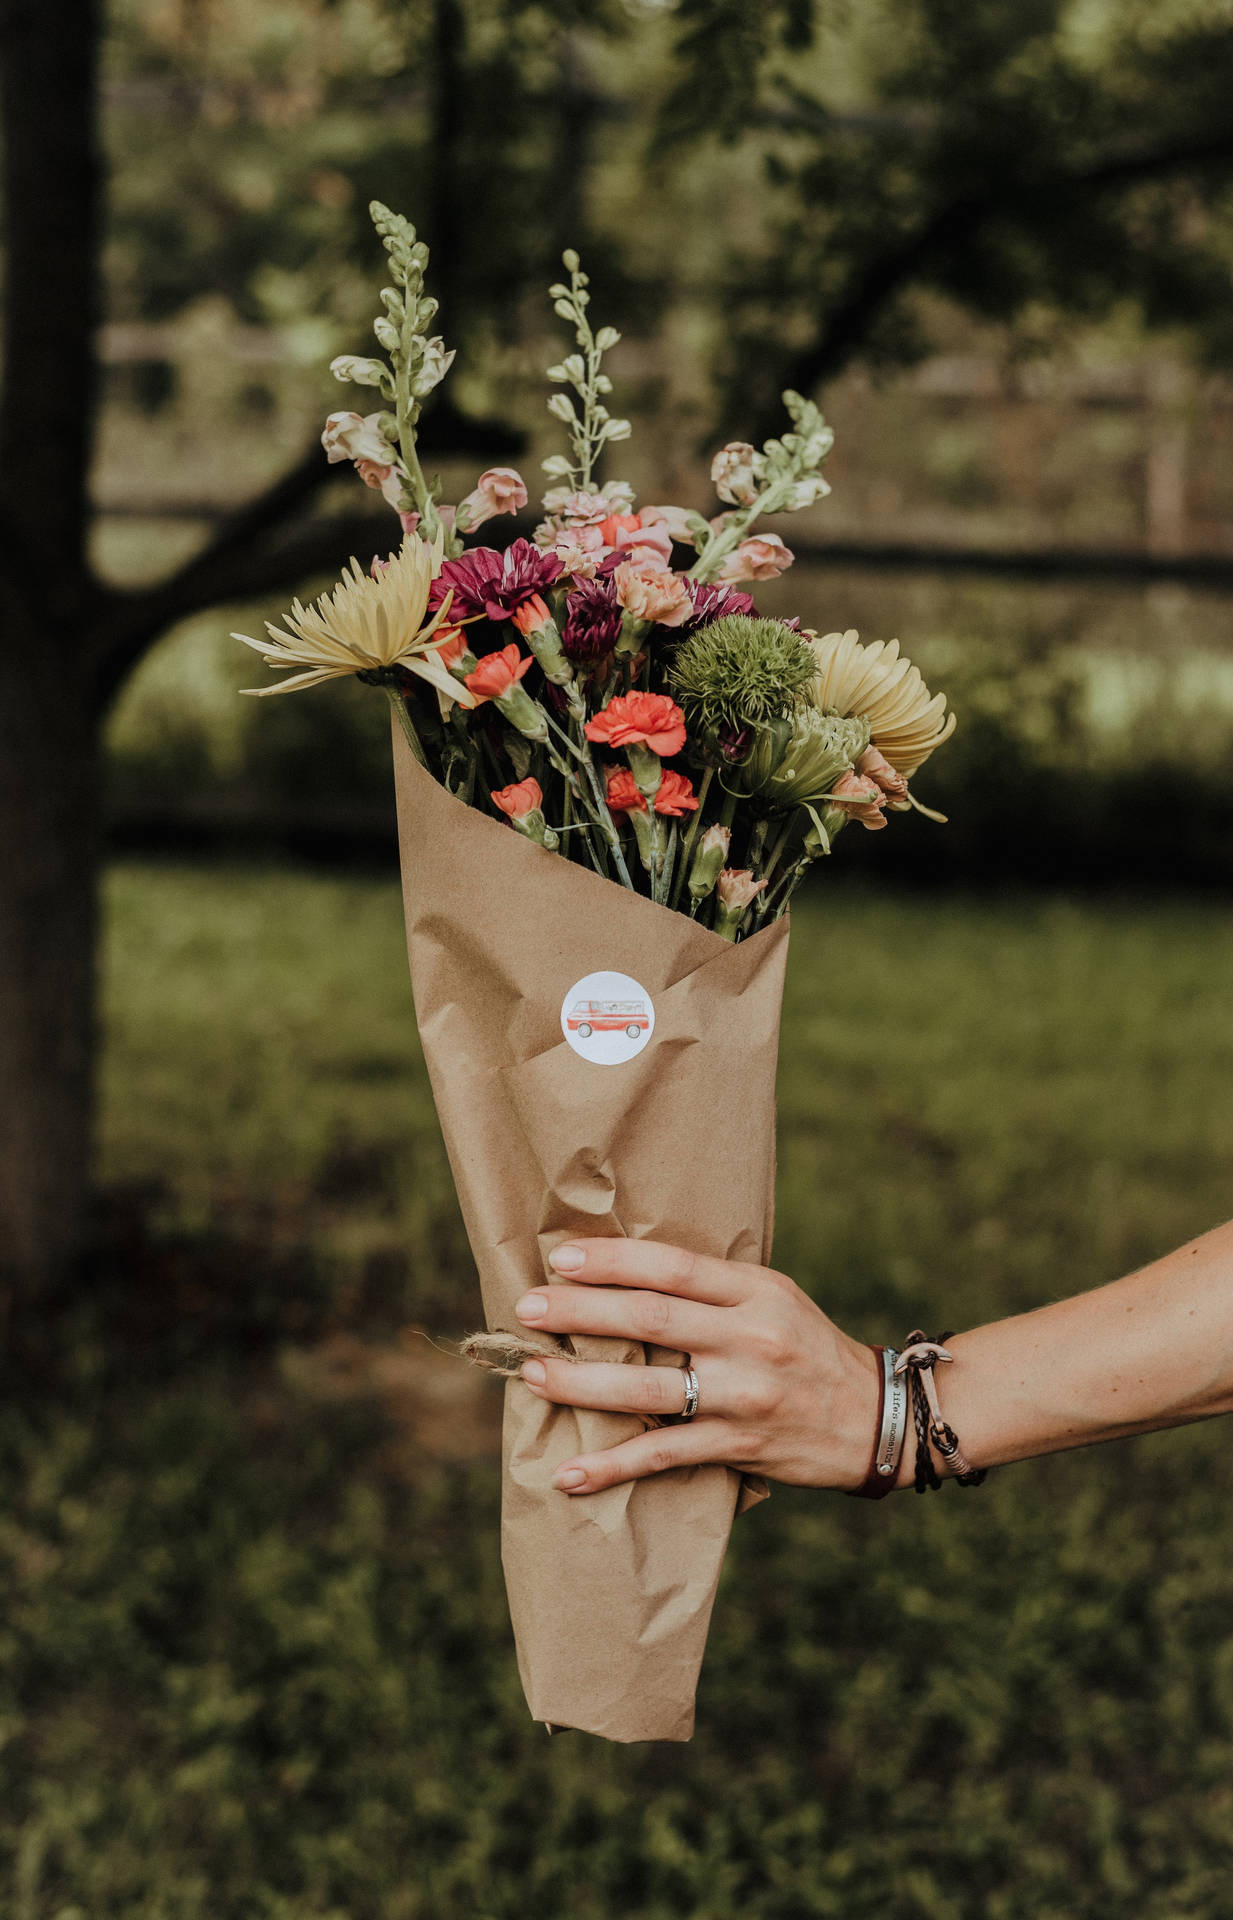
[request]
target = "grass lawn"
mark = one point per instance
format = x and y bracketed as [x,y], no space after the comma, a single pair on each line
[253,1654]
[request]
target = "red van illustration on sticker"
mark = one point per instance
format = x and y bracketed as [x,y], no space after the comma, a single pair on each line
[586,1017]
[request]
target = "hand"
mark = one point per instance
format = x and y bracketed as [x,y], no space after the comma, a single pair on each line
[782,1391]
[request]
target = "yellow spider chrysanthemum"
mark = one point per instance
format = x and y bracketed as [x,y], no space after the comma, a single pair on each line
[368,622]
[906,720]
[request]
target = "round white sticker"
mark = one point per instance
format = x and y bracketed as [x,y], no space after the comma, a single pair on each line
[607,1017]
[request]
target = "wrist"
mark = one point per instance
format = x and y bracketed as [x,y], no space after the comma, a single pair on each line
[856,1418]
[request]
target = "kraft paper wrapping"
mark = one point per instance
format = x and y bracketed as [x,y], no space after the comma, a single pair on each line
[610,1594]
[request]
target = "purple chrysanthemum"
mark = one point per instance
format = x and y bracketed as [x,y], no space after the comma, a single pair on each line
[592,620]
[492,583]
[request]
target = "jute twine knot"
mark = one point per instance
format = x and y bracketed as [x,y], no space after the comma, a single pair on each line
[506,1353]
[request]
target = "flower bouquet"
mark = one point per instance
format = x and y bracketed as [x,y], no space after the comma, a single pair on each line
[612,775]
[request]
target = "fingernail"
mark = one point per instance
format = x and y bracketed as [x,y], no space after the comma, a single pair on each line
[532,1306]
[569,1478]
[567,1259]
[536,1372]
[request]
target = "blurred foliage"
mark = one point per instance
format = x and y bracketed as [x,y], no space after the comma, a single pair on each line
[1094,743]
[1035,164]
[255,1658]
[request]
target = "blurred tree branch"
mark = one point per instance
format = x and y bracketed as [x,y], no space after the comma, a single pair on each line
[874,283]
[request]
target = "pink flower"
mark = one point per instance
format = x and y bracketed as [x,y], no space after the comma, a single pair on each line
[499,490]
[675,520]
[387,479]
[734,471]
[575,559]
[653,593]
[861,797]
[497,673]
[675,797]
[519,800]
[409,521]
[531,616]
[736,888]
[352,436]
[586,509]
[875,766]
[762,557]
[640,719]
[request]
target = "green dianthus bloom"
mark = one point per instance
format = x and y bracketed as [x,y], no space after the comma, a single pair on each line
[741,671]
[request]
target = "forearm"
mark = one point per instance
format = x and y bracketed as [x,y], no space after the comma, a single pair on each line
[1152,1350]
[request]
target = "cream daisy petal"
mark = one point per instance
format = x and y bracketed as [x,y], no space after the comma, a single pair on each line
[370,621]
[906,721]
[298,681]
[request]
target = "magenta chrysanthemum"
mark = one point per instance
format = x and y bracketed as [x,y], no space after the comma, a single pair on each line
[592,620]
[711,602]
[496,584]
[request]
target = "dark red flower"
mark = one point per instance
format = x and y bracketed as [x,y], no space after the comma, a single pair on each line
[592,621]
[492,583]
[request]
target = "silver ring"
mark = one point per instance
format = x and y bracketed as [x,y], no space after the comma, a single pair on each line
[691,1395]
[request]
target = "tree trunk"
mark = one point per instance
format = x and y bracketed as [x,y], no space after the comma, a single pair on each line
[49,863]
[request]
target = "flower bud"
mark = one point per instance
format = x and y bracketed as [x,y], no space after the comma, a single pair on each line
[539,630]
[736,888]
[708,861]
[734,471]
[362,372]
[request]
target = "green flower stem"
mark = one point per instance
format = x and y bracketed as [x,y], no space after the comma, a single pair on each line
[603,818]
[720,545]
[692,835]
[762,905]
[674,838]
[405,722]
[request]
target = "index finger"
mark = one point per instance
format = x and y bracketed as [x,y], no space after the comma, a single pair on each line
[648,1263]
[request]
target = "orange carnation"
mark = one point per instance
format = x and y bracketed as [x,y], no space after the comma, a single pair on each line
[637,719]
[519,800]
[676,795]
[498,672]
[623,794]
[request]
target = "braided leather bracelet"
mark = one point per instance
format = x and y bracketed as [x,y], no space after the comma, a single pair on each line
[917,1359]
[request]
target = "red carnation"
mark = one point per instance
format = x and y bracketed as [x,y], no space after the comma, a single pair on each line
[498,672]
[639,719]
[519,800]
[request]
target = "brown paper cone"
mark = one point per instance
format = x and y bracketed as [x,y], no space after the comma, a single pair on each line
[610,1594]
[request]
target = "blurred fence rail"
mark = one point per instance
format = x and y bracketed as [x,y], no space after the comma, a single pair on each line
[1114,470]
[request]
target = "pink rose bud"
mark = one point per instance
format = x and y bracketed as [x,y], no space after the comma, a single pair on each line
[762,557]
[734,471]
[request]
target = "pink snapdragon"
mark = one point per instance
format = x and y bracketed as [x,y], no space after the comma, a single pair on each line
[387,480]
[762,557]
[734,471]
[499,490]
[354,436]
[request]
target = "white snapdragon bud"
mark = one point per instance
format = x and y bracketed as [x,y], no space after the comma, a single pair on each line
[361,372]
[436,363]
